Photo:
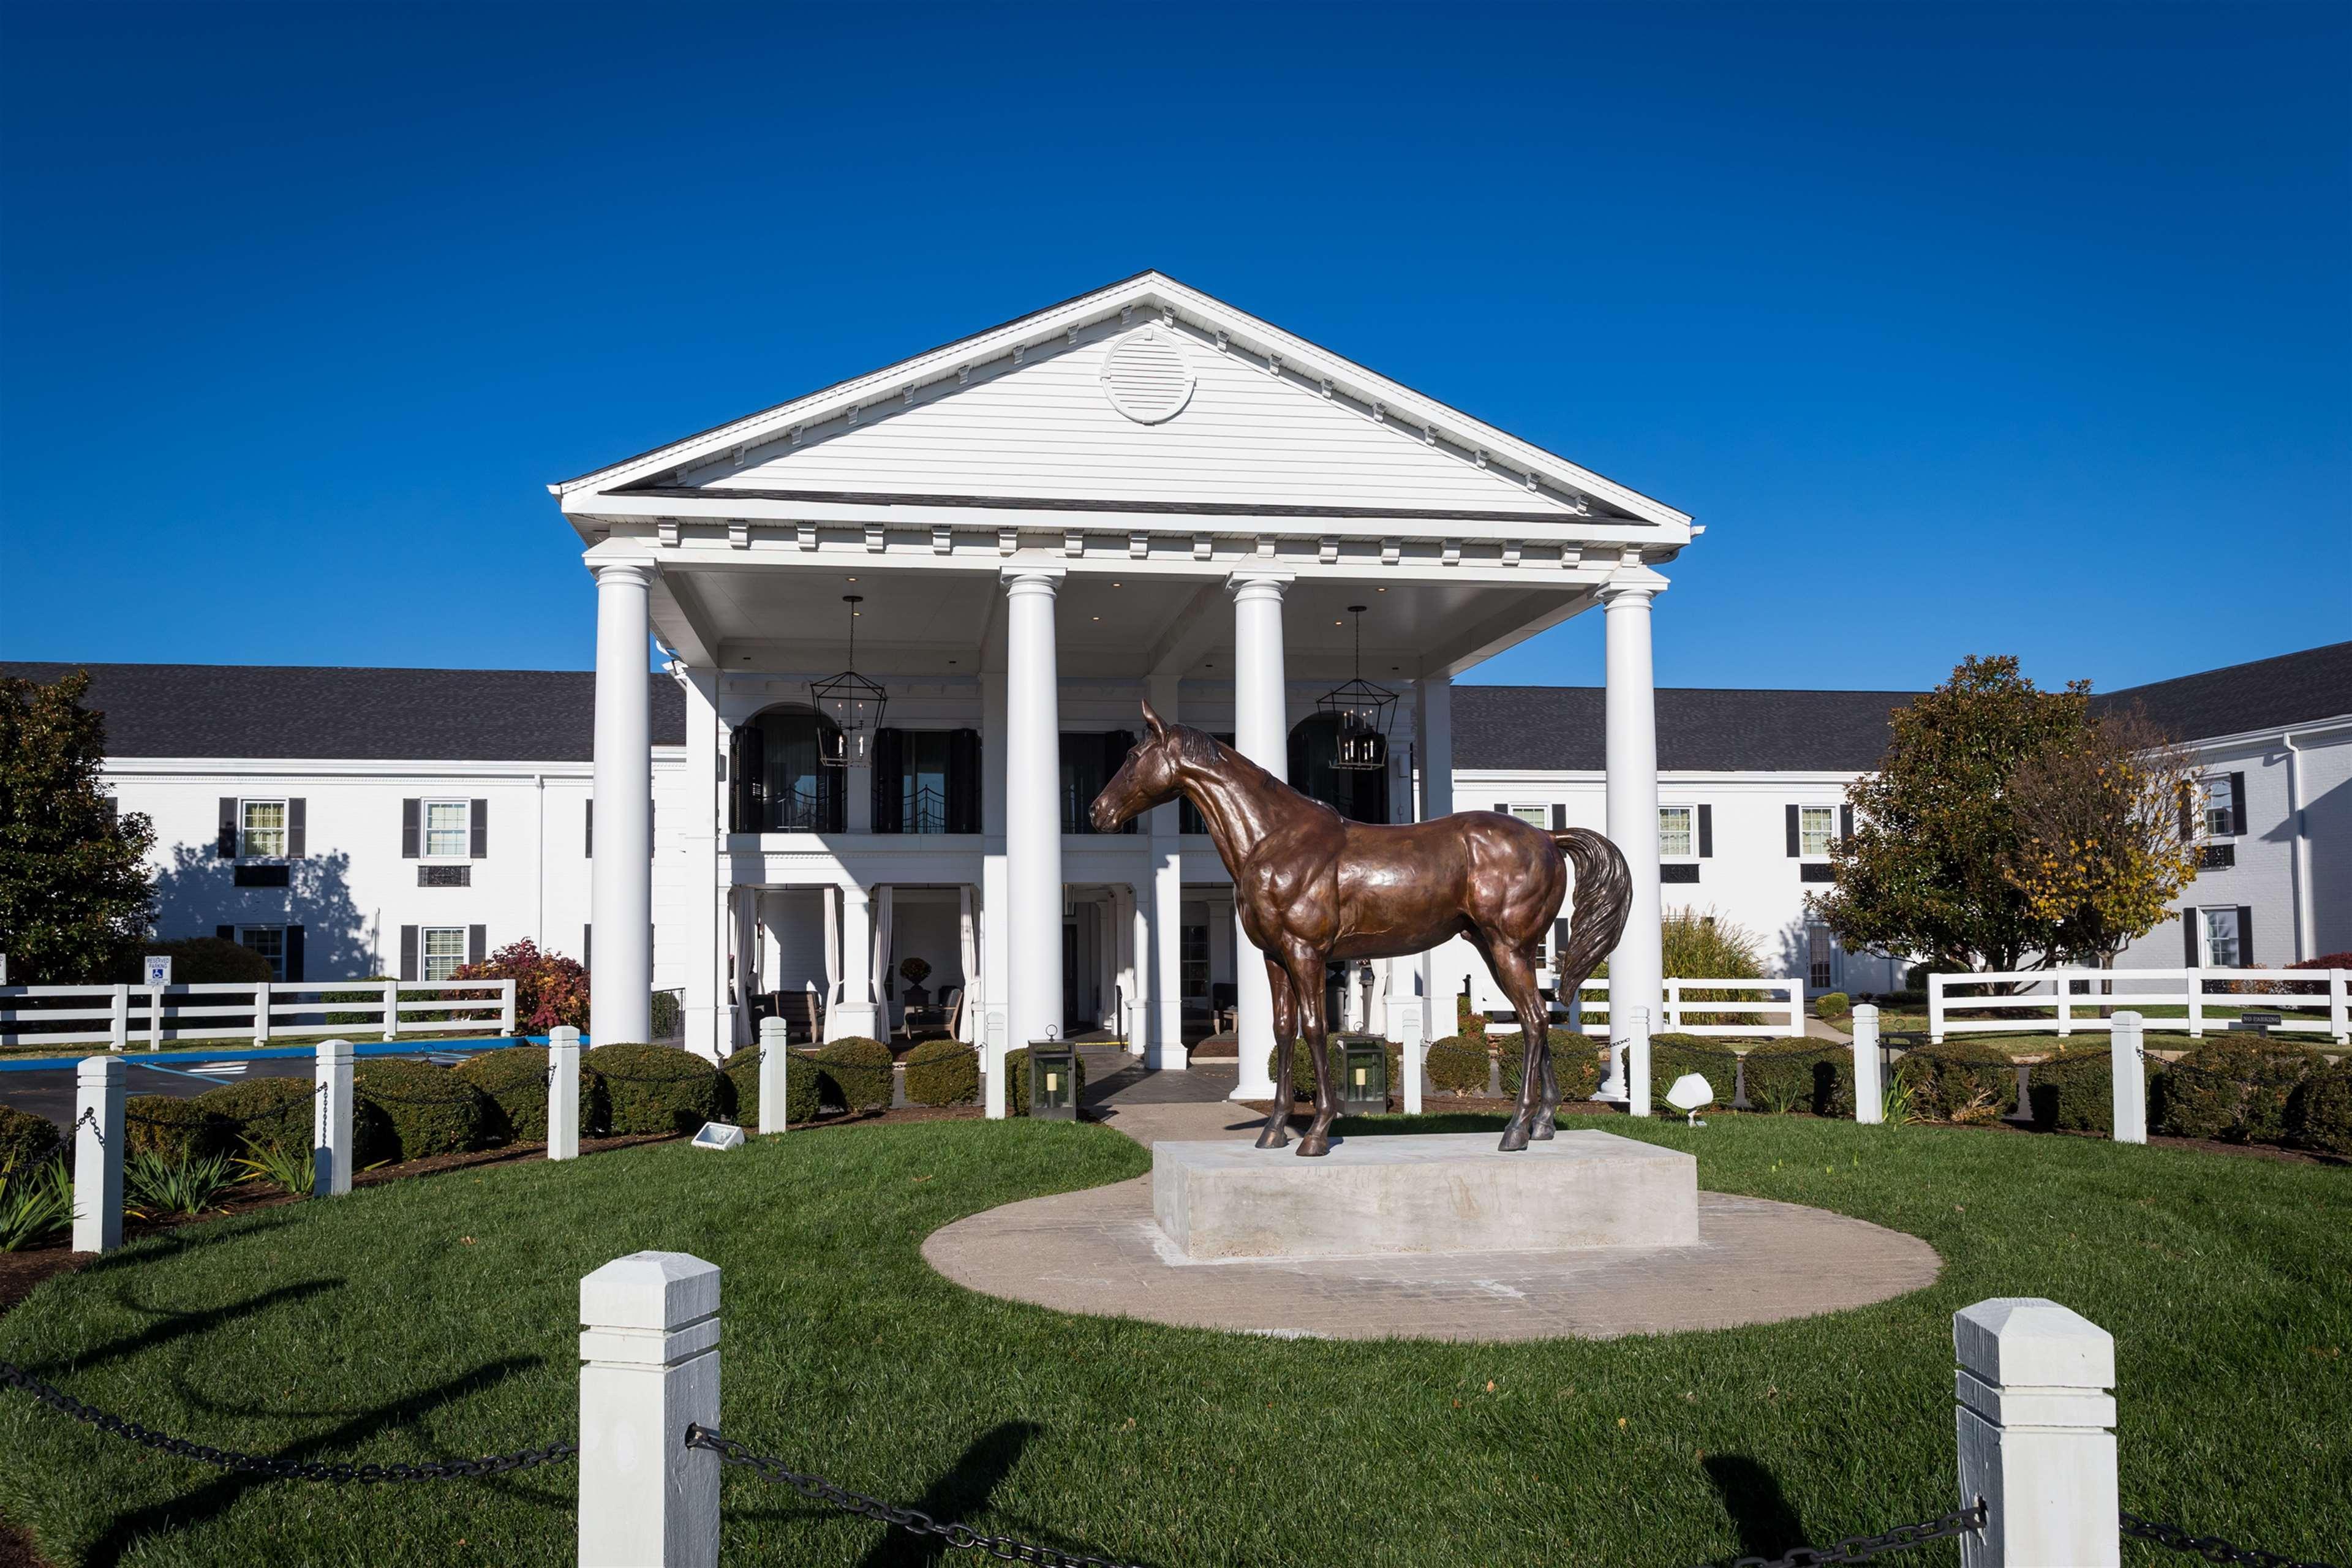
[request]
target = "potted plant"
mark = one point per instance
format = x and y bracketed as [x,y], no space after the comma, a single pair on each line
[914,971]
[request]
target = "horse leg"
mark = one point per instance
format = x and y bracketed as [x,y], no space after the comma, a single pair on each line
[1516,977]
[1276,1130]
[1307,988]
[1551,1104]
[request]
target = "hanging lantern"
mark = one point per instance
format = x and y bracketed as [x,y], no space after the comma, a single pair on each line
[853,702]
[1364,710]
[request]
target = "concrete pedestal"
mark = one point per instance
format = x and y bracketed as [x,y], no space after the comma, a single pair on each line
[1423,1195]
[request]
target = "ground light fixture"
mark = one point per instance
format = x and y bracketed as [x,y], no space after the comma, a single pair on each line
[1362,711]
[853,702]
[1689,1094]
[1364,1064]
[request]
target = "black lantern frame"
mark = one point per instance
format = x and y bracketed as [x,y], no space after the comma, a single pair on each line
[1053,1081]
[1362,1063]
[852,702]
[1362,711]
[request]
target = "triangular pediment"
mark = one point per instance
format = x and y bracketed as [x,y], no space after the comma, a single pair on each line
[1145,394]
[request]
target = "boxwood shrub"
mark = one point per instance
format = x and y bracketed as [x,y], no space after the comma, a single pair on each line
[2234,1087]
[1302,1069]
[1960,1080]
[853,1074]
[26,1140]
[2075,1091]
[1575,1065]
[1016,1082]
[276,1111]
[1832,1005]
[514,1087]
[412,1111]
[1793,1073]
[655,1089]
[739,1088]
[943,1072]
[2319,1112]
[172,1127]
[1458,1063]
[1670,1056]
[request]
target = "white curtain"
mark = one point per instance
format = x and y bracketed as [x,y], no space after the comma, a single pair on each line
[747,960]
[968,936]
[881,960]
[832,947]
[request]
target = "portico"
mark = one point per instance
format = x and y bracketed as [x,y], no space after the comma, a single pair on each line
[1140,492]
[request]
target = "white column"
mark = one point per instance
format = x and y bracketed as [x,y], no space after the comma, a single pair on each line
[775,1061]
[1032,812]
[2036,1420]
[98,1154]
[620,897]
[1632,723]
[2127,1044]
[648,1367]
[710,906]
[1261,733]
[1134,966]
[1869,1097]
[333,1128]
[1433,734]
[563,1092]
[994,1021]
[1166,1037]
[853,1015]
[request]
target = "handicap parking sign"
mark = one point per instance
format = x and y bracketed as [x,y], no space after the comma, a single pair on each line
[159,969]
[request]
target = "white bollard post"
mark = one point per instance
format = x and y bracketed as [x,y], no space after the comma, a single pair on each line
[648,1367]
[1637,1061]
[1869,1095]
[98,1154]
[563,1092]
[775,1054]
[2127,1058]
[1411,1053]
[332,1116]
[2037,1444]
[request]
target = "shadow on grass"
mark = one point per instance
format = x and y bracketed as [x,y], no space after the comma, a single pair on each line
[1768,1526]
[179,1325]
[963,1491]
[215,1498]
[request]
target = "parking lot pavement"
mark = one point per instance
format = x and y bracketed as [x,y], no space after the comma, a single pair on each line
[49,1092]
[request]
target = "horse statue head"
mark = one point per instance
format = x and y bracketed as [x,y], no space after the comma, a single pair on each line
[1151,775]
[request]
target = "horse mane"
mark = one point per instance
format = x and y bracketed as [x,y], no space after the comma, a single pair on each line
[1198,746]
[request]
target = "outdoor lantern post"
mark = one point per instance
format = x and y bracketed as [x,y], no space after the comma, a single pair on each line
[1363,1062]
[853,702]
[1053,1081]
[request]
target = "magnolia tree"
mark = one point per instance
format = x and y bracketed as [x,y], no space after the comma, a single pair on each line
[74,891]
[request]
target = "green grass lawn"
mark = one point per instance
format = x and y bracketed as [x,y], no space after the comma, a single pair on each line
[435,1318]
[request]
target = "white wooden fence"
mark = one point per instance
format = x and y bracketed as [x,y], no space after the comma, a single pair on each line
[121,1016]
[2065,1000]
[1765,1009]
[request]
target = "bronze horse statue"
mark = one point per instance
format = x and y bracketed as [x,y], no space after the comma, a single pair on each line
[1314,888]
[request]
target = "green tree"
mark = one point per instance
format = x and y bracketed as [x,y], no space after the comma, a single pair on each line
[75,892]
[1934,827]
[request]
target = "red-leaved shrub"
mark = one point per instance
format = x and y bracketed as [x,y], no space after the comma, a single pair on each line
[550,989]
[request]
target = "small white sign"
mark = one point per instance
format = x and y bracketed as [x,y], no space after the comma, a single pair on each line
[159,969]
[3,969]
[719,1135]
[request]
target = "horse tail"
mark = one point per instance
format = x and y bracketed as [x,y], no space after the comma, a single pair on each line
[1604,896]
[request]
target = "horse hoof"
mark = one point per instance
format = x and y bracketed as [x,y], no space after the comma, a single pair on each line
[1272,1138]
[1515,1138]
[1542,1133]
[1312,1145]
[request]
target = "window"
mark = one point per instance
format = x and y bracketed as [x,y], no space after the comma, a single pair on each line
[262,830]
[1088,763]
[444,951]
[1536,814]
[1195,962]
[2220,807]
[1816,827]
[2222,946]
[1817,967]
[923,780]
[269,941]
[1674,831]
[449,826]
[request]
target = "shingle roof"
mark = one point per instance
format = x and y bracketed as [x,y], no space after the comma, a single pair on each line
[1700,730]
[2266,694]
[313,711]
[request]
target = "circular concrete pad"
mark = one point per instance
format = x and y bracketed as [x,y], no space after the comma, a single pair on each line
[1756,1262]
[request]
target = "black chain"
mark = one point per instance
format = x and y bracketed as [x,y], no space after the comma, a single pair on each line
[89,1117]
[1865,1548]
[2211,1547]
[276,1469]
[816,1488]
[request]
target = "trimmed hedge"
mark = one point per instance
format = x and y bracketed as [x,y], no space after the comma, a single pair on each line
[1832,1005]
[1017,1081]
[26,1140]
[2075,1091]
[943,1072]
[853,1074]
[1671,1056]
[2234,1087]
[271,1110]
[1575,1065]
[1797,1074]
[1458,1063]
[2319,1112]
[172,1127]
[196,961]
[739,1088]
[513,1084]
[656,1090]
[1302,1069]
[411,1110]
[1960,1080]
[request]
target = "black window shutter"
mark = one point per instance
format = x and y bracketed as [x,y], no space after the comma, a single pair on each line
[589,848]
[477,946]
[226,846]
[2188,954]
[1559,817]
[1794,841]
[409,952]
[1705,832]
[587,945]
[227,933]
[2245,936]
[1845,823]
[1559,939]
[298,837]
[1502,806]
[408,829]
[293,952]
[113,811]
[2238,804]
[889,782]
[963,780]
[1115,745]
[477,819]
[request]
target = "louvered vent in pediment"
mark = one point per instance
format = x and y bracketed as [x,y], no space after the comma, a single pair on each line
[1146,377]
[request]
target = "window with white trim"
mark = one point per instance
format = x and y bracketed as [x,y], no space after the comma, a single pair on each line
[441,952]
[1677,832]
[261,830]
[1538,813]
[1816,829]
[268,941]
[448,828]
[2220,806]
[2221,938]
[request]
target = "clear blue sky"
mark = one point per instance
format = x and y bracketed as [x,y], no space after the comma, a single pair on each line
[1984,329]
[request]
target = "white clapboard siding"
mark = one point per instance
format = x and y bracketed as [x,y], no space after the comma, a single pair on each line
[1046,427]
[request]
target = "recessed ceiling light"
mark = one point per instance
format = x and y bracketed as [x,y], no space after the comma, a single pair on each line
[1380,590]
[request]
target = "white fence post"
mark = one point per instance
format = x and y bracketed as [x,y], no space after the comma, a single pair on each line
[154,1017]
[119,1028]
[1869,1097]
[505,1007]
[775,1054]
[563,1092]
[392,1009]
[648,1367]
[1935,1009]
[2126,1045]
[2065,1007]
[98,1154]
[332,1130]
[2196,1003]
[1674,1006]
[261,1012]
[2337,1024]
[1637,1061]
[2037,1443]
